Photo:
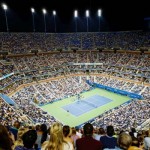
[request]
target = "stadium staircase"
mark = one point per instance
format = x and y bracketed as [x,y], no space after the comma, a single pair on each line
[132,88]
[14,65]
[26,64]
[143,90]
[145,125]
[37,91]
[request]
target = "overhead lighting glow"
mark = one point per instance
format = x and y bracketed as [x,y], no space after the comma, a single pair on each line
[75,13]
[4,6]
[54,12]
[44,11]
[99,13]
[32,10]
[87,13]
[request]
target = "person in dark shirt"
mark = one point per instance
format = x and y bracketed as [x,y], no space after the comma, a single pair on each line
[5,142]
[29,139]
[87,142]
[108,141]
[15,128]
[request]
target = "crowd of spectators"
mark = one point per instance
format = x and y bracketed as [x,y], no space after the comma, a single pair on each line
[126,115]
[9,114]
[64,137]
[24,42]
[25,102]
[122,65]
[134,69]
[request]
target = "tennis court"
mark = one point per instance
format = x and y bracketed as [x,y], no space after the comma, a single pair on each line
[82,106]
[103,99]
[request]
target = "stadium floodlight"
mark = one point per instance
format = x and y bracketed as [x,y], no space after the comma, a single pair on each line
[5,9]
[87,13]
[99,15]
[76,16]
[87,16]
[75,13]
[33,11]
[4,6]
[44,13]
[54,14]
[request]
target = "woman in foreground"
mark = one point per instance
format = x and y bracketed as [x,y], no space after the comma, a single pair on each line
[56,141]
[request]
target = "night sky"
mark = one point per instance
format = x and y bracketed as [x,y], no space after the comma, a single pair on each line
[117,15]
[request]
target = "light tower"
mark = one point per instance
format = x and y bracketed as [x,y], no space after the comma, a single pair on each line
[5,9]
[76,16]
[54,14]
[87,16]
[44,13]
[99,16]
[33,11]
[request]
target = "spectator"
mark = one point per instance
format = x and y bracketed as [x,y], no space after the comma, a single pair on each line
[29,139]
[135,144]
[124,141]
[15,128]
[19,141]
[108,140]
[147,141]
[133,132]
[99,134]
[87,142]
[56,141]
[78,132]
[74,136]
[5,141]
[41,135]
[67,134]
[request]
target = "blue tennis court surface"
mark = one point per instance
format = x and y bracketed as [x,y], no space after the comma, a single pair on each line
[82,106]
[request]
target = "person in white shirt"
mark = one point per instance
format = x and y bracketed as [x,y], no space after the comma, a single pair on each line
[78,133]
[147,141]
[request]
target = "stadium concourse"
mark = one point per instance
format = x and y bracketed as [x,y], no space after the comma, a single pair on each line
[37,69]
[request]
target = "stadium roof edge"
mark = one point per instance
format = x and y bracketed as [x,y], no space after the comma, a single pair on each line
[73,32]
